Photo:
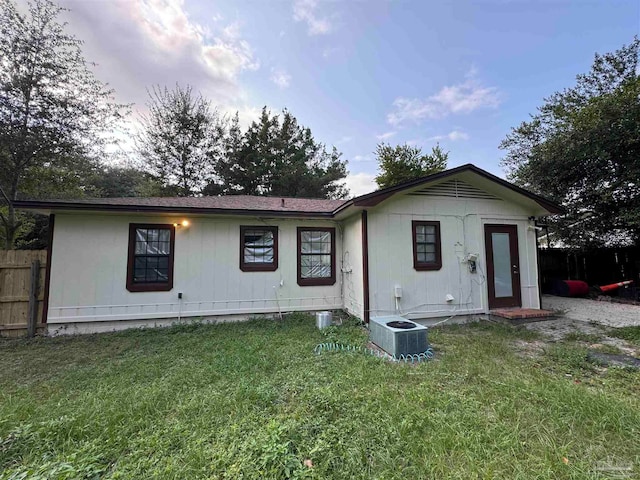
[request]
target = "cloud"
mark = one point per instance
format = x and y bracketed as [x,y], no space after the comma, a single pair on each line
[246,114]
[454,136]
[360,183]
[232,31]
[386,135]
[333,52]
[457,135]
[363,158]
[306,11]
[281,78]
[139,43]
[460,98]
[136,44]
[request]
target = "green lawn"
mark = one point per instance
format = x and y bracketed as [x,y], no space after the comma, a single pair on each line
[252,400]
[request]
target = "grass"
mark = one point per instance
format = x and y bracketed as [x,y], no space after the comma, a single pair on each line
[582,337]
[252,400]
[630,334]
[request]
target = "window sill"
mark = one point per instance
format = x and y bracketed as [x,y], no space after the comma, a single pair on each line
[258,268]
[149,287]
[427,267]
[312,282]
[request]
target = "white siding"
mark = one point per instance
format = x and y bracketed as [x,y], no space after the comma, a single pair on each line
[89,268]
[462,232]
[89,264]
[352,289]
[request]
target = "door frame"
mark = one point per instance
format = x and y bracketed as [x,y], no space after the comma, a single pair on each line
[516,299]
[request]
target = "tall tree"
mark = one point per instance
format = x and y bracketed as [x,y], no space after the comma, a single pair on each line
[276,156]
[52,109]
[241,168]
[116,181]
[582,148]
[182,139]
[404,162]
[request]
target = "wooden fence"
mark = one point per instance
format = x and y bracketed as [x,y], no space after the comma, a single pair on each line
[22,276]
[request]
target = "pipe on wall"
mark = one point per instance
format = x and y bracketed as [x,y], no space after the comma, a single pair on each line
[365,267]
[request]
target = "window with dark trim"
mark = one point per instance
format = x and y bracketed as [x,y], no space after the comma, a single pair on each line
[426,245]
[258,249]
[316,256]
[150,263]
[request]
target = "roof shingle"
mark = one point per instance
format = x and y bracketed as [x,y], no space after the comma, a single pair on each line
[230,202]
[278,206]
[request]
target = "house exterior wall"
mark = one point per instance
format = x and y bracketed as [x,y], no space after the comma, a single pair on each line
[89,266]
[89,271]
[462,232]
[352,277]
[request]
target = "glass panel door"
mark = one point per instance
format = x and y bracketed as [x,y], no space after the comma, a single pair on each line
[503,268]
[502,281]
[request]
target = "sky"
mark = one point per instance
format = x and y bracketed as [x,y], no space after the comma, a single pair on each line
[458,73]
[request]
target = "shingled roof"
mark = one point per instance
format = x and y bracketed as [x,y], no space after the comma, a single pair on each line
[275,206]
[225,204]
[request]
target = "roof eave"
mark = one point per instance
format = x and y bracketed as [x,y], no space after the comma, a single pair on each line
[92,207]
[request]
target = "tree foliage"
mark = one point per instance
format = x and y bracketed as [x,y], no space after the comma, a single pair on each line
[128,181]
[582,148]
[182,139]
[86,180]
[56,118]
[53,111]
[404,162]
[276,156]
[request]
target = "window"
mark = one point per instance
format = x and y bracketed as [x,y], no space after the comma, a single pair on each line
[426,246]
[150,265]
[258,249]
[316,256]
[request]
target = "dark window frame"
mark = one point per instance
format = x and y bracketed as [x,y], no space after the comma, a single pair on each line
[253,266]
[426,266]
[150,286]
[307,282]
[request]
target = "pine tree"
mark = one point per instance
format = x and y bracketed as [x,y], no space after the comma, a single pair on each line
[278,157]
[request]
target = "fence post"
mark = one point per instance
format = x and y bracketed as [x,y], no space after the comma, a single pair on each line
[33,299]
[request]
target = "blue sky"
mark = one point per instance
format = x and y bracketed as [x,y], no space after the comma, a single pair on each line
[460,73]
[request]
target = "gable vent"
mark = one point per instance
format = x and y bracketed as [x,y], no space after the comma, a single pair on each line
[456,189]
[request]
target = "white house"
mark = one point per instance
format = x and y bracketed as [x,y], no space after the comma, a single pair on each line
[459,242]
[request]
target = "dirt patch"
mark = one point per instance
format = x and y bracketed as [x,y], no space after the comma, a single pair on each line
[593,311]
[532,349]
[626,301]
[559,328]
[591,335]
[608,359]
[618,344]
